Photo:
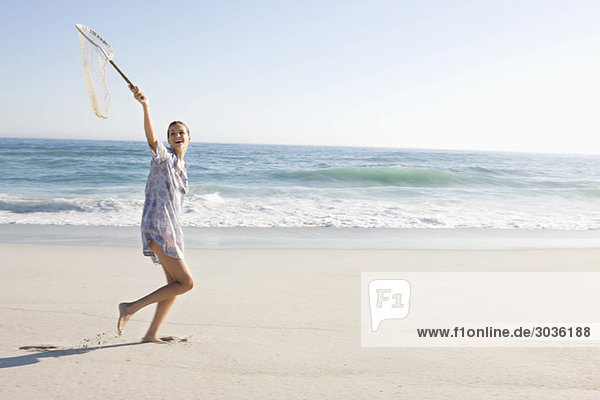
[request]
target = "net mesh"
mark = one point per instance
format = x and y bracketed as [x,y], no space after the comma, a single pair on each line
[96,54]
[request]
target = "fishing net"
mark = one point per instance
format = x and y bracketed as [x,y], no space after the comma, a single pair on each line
[96,53]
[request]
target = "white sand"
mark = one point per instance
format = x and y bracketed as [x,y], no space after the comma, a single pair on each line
[259,324]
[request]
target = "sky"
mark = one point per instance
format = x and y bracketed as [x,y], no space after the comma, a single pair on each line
[479,75]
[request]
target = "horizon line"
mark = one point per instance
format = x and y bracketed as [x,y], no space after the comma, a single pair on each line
[325,145]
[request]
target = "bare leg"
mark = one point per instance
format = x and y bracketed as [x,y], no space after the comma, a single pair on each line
[162,308]
[179,280]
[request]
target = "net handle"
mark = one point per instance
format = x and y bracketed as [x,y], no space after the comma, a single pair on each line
[109,58]
[121,73]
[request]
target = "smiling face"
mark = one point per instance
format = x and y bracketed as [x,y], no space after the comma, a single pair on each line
[179,138]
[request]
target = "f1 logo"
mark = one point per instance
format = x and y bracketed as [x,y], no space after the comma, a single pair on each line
[388,299]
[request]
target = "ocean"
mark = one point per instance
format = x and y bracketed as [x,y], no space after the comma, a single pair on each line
[101,183]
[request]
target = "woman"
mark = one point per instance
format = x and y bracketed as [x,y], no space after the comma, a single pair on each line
[161,231]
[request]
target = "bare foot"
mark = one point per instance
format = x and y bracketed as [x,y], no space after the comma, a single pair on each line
[151,339]
[124,316]
[154,339]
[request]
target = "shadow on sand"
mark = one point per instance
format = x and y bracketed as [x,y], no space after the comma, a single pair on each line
[51,351]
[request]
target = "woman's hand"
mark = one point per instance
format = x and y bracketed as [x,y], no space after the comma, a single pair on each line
[138,94]
[141,97]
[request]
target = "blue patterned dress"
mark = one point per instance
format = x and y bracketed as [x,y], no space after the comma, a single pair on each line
[166,188]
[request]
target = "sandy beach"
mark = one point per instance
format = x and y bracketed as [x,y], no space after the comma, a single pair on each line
[376,200]
[259,324]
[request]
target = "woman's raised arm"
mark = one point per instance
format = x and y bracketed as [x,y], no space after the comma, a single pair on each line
[141,97]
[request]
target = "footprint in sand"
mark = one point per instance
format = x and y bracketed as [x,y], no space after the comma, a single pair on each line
[172,339]
[100,340]
[38,348]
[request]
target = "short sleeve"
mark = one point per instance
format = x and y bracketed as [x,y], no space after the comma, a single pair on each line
[161,152]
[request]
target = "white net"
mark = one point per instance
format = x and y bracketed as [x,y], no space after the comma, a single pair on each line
[96,54]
